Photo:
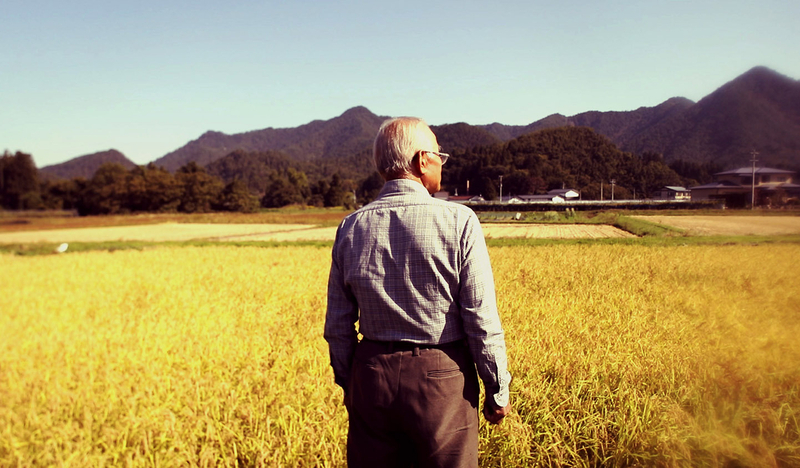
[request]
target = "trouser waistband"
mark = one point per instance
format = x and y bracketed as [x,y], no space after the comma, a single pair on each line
[392,346]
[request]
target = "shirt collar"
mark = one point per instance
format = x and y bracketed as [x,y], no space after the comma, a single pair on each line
[396,186]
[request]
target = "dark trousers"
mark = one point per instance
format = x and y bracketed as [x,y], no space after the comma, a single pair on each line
[412,406]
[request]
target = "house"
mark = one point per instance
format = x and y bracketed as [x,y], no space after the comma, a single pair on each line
[466,199]
[672,192]
[764,176]
[552,198]
[566,194]
[736,187]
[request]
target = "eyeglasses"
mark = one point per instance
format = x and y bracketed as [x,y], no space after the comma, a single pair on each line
[442,156]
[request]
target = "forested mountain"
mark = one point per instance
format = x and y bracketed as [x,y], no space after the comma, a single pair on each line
[351,132]
[759,110]
[564,157]
[618,126]
[256,168]
[85,166]
[462,136]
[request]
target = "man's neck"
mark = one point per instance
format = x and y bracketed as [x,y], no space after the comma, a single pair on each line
[412,178]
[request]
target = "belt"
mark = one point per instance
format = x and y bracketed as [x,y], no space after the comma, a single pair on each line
[392,346]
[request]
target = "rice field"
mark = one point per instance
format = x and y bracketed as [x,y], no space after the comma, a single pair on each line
[552,231]
[730,225]
[187,356]
[276,232]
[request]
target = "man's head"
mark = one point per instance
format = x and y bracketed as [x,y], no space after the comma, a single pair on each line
[406,148]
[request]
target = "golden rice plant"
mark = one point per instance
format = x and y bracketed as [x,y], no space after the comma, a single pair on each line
[667,356]
[168,357]
[213,356]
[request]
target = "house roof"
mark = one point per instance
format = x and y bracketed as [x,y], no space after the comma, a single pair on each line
[675,188]
[715,185]
[466,198]
[746,171]
[549,197]
[784,186]
[562,192]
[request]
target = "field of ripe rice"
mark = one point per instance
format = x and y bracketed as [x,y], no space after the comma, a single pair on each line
[552,231]
[621,355]
[275,232]
[730,225]
[173,232]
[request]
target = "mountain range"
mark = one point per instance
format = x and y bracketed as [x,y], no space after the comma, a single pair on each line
[759,110]
[85,166]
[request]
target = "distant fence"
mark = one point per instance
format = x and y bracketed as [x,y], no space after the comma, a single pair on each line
[594,205]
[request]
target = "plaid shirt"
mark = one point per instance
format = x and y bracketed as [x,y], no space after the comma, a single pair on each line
[417,270]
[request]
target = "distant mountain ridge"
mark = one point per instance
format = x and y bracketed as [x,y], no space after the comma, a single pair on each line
[348,133]
[618,126]
[758,110]
[86,165]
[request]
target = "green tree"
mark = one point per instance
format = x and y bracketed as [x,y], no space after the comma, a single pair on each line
[518,183]
[654,176]
[339,193]
[300,181]
[236,196]
[64,194]
[106,192]
[280,191]
[19,182]
[369,188]
[152,189]
[198,189]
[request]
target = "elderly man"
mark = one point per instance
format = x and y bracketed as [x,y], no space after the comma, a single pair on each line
[414,272]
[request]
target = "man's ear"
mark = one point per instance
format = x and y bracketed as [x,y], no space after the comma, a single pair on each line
[423,162]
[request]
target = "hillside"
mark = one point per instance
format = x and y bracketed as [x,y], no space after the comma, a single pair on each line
[85,166]
[758,110]
[463,136]
[574,157]
[351,132]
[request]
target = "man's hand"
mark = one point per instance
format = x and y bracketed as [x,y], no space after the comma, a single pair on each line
[494,414]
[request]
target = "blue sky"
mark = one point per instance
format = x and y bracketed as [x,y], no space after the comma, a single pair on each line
[146,77]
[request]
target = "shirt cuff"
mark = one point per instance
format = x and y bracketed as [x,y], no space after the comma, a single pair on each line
[500,399]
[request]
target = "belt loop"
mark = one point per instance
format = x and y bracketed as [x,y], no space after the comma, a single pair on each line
[416,351]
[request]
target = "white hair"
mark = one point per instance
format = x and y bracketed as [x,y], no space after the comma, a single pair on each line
[398,140]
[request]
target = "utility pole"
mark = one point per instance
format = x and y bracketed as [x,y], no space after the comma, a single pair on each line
[753,181]
[613,181]
[601,190]
[501,189]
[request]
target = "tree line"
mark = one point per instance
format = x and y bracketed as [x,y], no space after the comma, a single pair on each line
[113,189]
[568,157]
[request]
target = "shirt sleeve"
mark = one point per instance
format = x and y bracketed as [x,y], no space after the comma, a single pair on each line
[480,316]
[340,319]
